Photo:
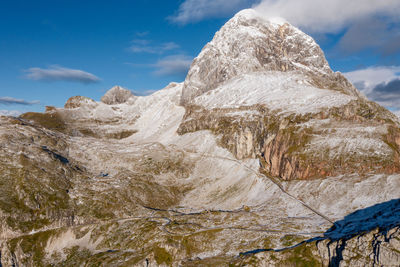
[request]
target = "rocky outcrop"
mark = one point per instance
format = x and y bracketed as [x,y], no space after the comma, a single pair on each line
[289,147]
[366,237]
[375,248]
[117,95]
[79,101]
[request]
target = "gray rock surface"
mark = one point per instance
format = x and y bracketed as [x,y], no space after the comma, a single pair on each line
[249,43]
[117,95]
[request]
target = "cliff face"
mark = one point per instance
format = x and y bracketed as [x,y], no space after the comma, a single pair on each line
[376,248]
[332,142]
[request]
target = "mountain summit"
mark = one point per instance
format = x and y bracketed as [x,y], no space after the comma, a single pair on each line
[249,43]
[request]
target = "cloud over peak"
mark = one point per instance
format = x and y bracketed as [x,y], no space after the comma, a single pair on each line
[58,73]
[197,10]
[328,16]
[314,16]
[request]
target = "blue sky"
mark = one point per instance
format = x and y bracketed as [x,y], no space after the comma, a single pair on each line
[52,50]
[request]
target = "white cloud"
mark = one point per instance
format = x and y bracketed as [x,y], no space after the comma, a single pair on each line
[311,15]
[173,65]
[197,10]
[13,113]
[5,100]
[380,84]
[328,16]
[367,79]
[58,73]
[144,46]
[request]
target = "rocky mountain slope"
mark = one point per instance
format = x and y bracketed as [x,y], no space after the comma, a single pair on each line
[264,157]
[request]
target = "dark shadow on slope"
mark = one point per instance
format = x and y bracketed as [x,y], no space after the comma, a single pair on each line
[62,159]
[384,216]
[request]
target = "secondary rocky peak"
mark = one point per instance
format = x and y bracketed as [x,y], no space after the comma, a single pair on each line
[251,43]
[79,101]
[117,95]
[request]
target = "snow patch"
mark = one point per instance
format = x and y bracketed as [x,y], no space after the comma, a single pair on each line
[284,92]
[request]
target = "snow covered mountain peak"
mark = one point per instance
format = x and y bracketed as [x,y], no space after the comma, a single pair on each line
[252,14]
[250,43]
[117,95]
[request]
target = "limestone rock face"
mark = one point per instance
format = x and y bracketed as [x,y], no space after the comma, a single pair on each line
[376,248]
[117,95]
[331,142]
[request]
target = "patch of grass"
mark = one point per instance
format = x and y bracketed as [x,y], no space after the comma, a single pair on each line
[290,240]
[88,132]
[162,256]
[52,120]
[33,246]
[76,256]
[121,135]
[300,256]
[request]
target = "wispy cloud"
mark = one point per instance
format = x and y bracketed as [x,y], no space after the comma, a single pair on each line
[312,15]
[368,24]
[380,84]
[328,16]
[13,113]
[173,65]
[146,46]
[387,94]
[15,101]
[368,78]
[58,73]
[197,10]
